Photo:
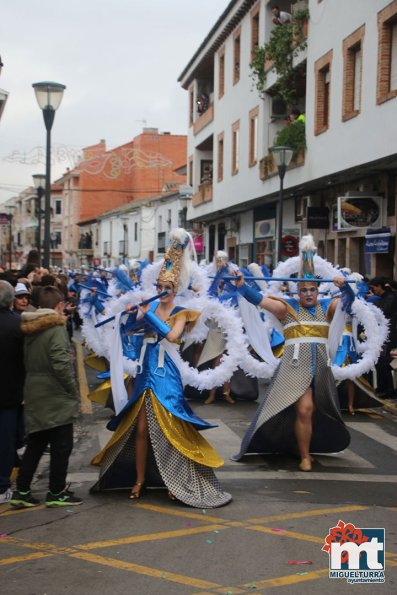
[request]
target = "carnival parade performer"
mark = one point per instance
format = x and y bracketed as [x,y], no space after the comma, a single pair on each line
[299,409]
[156,440]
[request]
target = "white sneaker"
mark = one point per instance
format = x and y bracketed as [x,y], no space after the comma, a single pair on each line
[6,496]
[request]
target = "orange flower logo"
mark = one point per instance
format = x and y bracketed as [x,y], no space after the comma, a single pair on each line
[344,533]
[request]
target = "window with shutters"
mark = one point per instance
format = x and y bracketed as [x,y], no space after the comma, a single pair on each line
[220,156]
[352,74]
[393,59]
[322,93]
[253,137]
[221,64]
[190,171]
[235,148]
[236,57]
[254,30]
[387,53]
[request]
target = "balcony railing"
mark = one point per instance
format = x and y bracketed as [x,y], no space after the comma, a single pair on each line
[268,167]
[204,194]
[204,119]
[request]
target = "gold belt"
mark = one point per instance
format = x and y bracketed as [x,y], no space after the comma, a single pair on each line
[299,331]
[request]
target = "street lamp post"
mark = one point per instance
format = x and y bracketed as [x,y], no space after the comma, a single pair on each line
[39,184]
[49,96]
[282,157]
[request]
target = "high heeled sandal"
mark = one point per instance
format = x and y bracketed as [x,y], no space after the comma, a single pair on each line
[171,496]
[137,493]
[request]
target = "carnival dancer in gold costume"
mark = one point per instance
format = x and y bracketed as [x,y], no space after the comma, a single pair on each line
[156,440]
[299,410]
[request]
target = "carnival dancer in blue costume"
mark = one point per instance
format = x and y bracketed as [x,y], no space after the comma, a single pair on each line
[299,409]
[214,346]
[357,392]
[156,440]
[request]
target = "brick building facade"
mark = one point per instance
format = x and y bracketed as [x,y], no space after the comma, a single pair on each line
[104,180]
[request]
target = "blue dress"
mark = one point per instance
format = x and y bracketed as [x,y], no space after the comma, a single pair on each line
[178,456]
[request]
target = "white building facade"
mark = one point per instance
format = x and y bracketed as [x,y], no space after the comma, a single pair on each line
[140,229]
[346,84]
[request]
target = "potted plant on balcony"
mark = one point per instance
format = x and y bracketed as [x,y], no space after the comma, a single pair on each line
[267,166]
[293,136]
[286,41]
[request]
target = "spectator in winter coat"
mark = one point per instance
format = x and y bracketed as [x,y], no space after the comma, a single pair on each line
[51,403]
[11,393]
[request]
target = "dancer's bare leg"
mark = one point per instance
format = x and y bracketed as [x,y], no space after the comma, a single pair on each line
[350,397]
[141,450]
[196,352]
[226,393]
[304,408]
[212,395]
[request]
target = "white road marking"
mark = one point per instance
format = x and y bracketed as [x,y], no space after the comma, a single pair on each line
[375,432]
[227,443]
[347,458]
[312,475]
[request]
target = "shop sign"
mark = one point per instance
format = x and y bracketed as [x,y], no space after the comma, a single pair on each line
[317,217]
[377,241]
[198,243]
[356,212]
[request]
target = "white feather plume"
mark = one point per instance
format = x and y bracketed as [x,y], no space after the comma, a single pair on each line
[307,244]
[256,271]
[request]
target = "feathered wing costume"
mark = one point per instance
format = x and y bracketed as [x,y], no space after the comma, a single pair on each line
[179,457]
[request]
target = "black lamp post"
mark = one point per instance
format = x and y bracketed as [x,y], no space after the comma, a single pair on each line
[49,96]
[39,184]
[282,157]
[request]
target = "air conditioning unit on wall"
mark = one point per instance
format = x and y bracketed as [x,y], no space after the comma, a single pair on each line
[301,205]
[279,108]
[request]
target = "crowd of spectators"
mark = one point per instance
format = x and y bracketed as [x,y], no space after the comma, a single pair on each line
[39,396]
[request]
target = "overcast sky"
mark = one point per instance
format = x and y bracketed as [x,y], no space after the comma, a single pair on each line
[120,61]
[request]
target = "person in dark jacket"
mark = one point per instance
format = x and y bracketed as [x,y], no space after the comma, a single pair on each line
[387,302]
[50,397]
[11,394]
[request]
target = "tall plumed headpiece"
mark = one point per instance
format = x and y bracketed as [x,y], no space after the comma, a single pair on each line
[307,249]
[176,265]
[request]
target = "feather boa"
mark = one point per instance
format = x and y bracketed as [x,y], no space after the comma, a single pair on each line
[230,322]
[382,330]
[99,339]
[371,349]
